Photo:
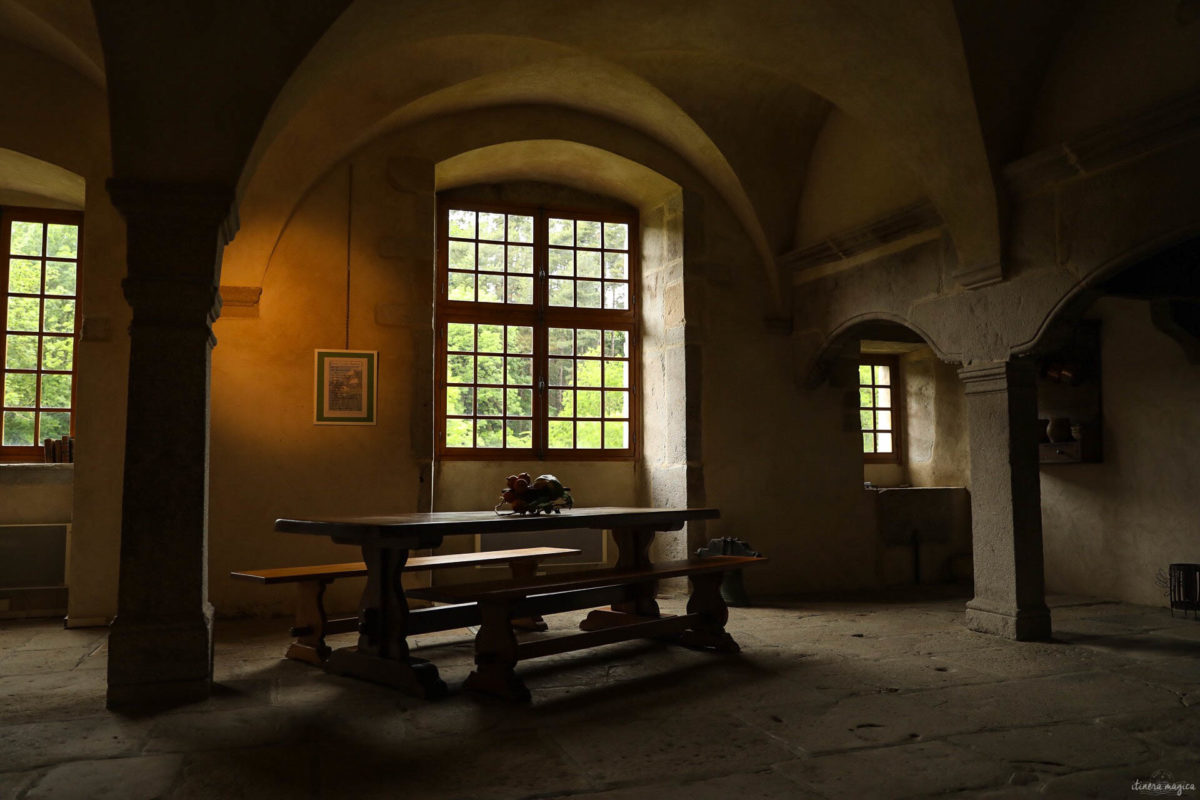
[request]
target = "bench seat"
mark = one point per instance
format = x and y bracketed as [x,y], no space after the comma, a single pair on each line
[312,624]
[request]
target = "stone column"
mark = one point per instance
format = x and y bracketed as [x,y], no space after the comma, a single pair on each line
[160,647]
[1006,505]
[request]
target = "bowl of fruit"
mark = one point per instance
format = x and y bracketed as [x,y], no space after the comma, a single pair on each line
[544,494]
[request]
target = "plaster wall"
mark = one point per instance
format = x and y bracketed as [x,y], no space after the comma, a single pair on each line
[1110,528]
[937,443]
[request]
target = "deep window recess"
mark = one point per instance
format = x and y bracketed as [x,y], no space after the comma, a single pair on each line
[41,280]
[879,403]
[537,333]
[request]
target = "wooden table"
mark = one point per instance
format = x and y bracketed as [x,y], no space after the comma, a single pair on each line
[385,620]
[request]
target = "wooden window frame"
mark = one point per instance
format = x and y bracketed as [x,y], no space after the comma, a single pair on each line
[541,317]
[897,389]
[45,216]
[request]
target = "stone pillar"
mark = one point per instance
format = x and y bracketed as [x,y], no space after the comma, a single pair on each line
[1006,505]
[160,647]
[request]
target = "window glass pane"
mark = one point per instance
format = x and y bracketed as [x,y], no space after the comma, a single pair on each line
[868,443]
[616,235]
[520,291]
[587,264]
[561,262]
[588,404]
[491,258]
[462,255]
[616,404]
[489,402]
[62,241]
[883,442]
[520,371]
[56,391]
[19,390]
[60,316]
[459,432]
[587,233]
[864,374]
[26,239]
[18,428]
[616,343]
[561,402]
[520,229]
[460,337]
[491,370]
[866,420]
[883,398]
[489,433]
[562,372]
[589,435]
[520,339]
[57,352]
[24,276]
[491,288]
[588,373]
[883,420]
[587,294]
[460,400]
[587,341]
[562,231]
[491,339]
[54,425]
[23,313]
[60,277]
[519,433]
[520,402]
[462,286]
[615,374]
[460,369]
[616,295]
[616,435]
[520,259]
[562,341]
[561,434]
[883,375]
[462,223]
[21,352]
[866,398]
[491,226]
[616,265]
[562,292]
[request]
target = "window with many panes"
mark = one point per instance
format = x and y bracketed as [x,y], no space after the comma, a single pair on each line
[41,279]
[878,408]
[537,333]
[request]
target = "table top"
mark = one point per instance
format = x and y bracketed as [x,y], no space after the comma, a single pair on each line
[426,530]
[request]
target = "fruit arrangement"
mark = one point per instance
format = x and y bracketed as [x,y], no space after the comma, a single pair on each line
[544,494]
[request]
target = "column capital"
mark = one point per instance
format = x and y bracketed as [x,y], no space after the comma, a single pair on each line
[996,376]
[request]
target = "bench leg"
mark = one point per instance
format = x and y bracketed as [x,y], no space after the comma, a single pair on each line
[706,600]
[496,655]
[309,629]
[526,568]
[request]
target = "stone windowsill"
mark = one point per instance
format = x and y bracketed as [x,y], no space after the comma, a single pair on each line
[36,474]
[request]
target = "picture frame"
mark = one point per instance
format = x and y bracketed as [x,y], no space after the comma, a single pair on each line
[345,387]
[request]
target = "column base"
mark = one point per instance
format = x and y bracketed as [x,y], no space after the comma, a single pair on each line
[1022,625]
[159,661]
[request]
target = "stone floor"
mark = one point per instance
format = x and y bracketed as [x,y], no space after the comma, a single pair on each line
[827,700]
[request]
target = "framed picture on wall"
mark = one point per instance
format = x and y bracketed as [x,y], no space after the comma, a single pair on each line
[345,387]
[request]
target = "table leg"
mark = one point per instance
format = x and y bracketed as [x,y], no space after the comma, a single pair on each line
[633,552]
[706,601]
[382,652]
[496,655]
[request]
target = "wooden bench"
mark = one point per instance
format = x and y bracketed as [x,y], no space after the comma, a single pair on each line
[312,624]
[634,614]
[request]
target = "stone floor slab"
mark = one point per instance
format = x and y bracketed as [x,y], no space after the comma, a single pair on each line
[140,778]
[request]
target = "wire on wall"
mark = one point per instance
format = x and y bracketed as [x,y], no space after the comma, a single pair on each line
[349,218]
